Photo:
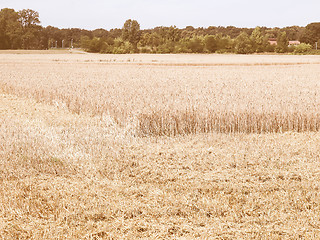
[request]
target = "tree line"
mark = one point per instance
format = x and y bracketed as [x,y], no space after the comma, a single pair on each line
[22,30]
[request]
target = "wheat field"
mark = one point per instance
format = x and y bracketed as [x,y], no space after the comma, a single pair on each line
[159,146]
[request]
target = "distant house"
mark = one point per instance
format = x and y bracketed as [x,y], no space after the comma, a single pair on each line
[273,41]
[294,43]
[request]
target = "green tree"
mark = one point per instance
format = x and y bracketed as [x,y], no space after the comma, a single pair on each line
[131,32]
[10,29]
[224,43]
[168,34]
[122,47]
[95,45]
[85,42]
[54,35]
[100,33]
[311,33]
[258,40]
[29,20]
[210,43]
[244,44]
[282,43]
[173,34]
[150,39]
[196,45]
[294,32]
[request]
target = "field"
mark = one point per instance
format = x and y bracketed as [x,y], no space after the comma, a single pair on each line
[159,146]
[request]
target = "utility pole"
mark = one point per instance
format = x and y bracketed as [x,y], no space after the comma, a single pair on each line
[72,43]
[316,45]
[62,43]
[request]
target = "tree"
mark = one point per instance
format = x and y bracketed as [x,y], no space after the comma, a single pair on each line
[294,32]
[54,35]
[196,45]
[258,40]
[311,34]
[168,34]
[173,34]
[28,18]
[10,29]
[244,44]
[100,33]
[131,32]
[210,43]
[85,43]
[224,43]
[29,21]
[96,44]
[282,43]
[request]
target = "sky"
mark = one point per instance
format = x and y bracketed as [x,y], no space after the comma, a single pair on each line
[93,14]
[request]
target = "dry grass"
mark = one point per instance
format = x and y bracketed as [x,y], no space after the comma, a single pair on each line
[72,164]
[277,96]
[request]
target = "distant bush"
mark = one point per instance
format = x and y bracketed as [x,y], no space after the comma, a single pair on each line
[291,49]
[122,47]
[302,48]
[145,50]
[313,52]
[223,51]
[166,48]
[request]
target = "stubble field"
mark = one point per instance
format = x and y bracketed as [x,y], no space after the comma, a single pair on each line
[159,147]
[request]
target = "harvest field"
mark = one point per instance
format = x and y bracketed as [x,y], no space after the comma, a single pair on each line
[159,146]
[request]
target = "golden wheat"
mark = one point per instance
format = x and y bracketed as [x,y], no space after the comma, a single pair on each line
[171,100]
[73,164]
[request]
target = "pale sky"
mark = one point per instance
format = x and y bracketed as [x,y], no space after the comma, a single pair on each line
[93,14]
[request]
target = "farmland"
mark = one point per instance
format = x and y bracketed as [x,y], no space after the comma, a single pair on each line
[159,146]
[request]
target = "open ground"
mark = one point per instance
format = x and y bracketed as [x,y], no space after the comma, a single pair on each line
[159,146]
